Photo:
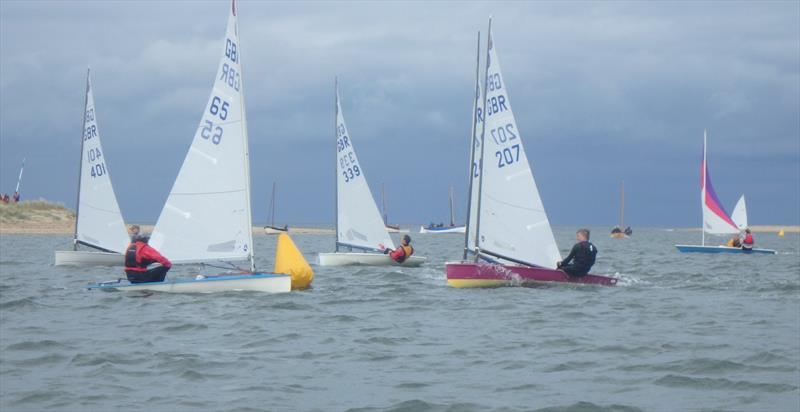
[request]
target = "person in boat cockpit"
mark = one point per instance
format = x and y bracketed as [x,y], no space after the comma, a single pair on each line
[403,252]
[581,258]
[748,242]
[734,241]
[138,256]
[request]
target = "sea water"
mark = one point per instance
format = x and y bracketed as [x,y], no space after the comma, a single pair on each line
[693,332]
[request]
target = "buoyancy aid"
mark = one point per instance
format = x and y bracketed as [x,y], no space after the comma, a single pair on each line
[133,260]
[408,250]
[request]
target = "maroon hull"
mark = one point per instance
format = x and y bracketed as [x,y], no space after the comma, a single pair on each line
[469,274]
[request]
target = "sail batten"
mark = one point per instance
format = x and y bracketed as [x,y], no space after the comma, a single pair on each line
[207,215]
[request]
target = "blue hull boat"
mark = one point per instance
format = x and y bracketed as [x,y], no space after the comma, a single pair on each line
[259,282]
[723,249]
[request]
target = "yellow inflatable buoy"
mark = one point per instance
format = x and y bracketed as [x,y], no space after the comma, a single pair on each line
[780,233]
[290,261]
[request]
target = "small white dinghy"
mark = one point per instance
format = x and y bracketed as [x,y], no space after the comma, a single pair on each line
[207,216]
[442,228]
[98,221]
[359,225]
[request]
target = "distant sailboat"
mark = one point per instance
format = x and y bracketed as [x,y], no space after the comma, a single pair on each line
[98,221]
[271,229]
[514,244]
[715,218]
[452,228]
[618,232]
[359,225]
[389,227]
[19,182]
[207,216]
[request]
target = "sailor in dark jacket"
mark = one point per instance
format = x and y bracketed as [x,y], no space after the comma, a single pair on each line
[582,256]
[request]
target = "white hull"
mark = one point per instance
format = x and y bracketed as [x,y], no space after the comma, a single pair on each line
[261,282]
[88,258]
[366,259]
[453,229]
[274,231]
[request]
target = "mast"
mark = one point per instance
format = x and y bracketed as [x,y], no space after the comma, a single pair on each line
[483,134]
[703,191]
[19,179]
[272,206]
[622,206]
[472,142]
[80,163]
[452,217]
[383,205]
[336,160]
[246,144]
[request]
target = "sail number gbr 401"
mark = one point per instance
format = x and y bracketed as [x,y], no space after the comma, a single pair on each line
[504,135]
[348,164]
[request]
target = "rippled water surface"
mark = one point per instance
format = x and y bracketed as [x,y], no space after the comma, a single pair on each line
[680,332]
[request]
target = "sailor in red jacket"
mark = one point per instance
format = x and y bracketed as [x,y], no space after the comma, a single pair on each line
[138,256]
[403,252]
[747,242]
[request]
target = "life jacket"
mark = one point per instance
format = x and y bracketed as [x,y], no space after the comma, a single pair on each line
[408,250]
[133,261]
[748,241]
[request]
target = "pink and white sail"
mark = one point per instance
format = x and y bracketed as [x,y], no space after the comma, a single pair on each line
[716,220]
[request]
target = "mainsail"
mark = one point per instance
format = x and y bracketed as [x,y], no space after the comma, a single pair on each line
[358,221]
[715,218]
[207,214]
[99,223]
[512,224]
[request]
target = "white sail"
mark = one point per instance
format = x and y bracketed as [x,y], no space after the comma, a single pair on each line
[739,215]
[475,156]
[359,222]
[99,222]
[207,214]
[513,223]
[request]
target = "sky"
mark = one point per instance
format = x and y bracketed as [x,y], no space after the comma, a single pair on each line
[603,92]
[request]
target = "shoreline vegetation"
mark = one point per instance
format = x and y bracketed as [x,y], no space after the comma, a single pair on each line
[41,217]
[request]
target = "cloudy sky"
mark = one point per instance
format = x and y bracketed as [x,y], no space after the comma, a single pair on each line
[602,92]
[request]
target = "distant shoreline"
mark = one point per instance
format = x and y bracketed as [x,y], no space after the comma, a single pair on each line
[40,217]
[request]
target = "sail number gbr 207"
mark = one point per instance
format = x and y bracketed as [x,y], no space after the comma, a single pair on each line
[503,136]
[348,164]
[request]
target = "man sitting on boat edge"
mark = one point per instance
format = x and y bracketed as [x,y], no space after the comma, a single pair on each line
[583,254]
[403,252]
[138,256]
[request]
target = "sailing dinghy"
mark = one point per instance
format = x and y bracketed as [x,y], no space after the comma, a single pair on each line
[389,227]
[617,232]
[715,218]
[445,229]
[513,242]
[271,229]
[98,221]
[207,216]
[359,225]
